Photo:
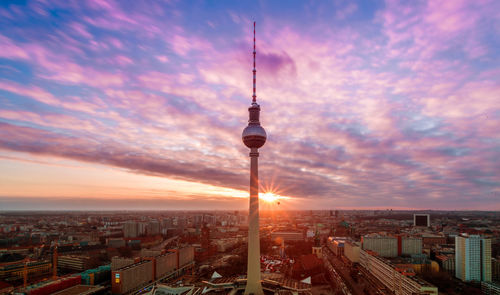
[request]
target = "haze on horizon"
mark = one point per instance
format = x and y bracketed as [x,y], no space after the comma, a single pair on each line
[140,105]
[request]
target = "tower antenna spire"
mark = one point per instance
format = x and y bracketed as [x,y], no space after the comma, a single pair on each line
[254,96]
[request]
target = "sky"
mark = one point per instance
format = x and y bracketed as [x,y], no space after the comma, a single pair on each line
[141,104]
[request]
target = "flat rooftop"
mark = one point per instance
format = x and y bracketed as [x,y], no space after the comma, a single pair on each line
[80,290]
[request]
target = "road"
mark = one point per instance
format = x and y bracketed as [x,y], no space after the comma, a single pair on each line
[366,284]
[336,278]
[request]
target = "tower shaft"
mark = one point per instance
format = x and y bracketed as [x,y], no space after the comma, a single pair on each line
[253,269]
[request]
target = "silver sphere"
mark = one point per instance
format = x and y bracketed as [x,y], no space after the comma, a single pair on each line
[254,136]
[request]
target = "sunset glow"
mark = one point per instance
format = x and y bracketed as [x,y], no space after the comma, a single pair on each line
[270,197]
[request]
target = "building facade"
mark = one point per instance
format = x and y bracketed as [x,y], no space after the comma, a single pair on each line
[287,236]
[336,245]
[396,280]
[472,258]
[384,246]
[409,245]
[73,262]
[351,251]
[130,229]
[421,220]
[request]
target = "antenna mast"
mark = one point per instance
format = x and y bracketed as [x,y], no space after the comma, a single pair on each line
[254,96]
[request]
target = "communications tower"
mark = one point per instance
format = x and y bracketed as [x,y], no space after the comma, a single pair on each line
[254,137]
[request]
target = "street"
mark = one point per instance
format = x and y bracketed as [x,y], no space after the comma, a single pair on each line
[366,284]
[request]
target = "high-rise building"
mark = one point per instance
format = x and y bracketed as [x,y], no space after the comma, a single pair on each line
[472,258]
[153,228]
[198,220]
[254,137]
[130,229]
[495,269]
[142,228]
[421,220]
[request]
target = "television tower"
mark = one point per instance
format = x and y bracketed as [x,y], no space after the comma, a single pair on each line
[254,137]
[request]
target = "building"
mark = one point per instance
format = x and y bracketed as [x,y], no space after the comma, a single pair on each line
[11,271]
[447,262]
[73,262]
[287,236]
[495,270]
[409,245]
[307,266]
[116,243]
[421,220]
[131,277]
[384,246]
[472,258]
[317,251]
[429,240]
[396,279]
[336,245]
[316,248]
[351,251]
[142,228]
[120,262]
[153,228]
[130,229]
[82,290]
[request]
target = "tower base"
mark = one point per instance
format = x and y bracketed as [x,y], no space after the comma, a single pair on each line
[255,289]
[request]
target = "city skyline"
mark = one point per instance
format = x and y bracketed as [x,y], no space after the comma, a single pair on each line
[369,105]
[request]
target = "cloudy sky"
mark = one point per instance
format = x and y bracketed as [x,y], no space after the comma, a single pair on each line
[141,104]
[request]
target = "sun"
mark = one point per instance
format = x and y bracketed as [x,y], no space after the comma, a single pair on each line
[269,197]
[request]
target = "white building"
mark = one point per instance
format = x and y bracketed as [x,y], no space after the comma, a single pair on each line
[396,281]
[385,246]
[351,251]
[472,258]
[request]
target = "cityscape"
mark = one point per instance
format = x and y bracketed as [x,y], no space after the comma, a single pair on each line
[205,252]
[367,163]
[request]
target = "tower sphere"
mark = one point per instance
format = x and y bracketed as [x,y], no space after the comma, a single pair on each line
[254,136]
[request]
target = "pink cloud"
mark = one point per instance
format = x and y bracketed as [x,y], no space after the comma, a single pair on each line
[182,45]
[9,50]
[58,68]
[80,29]
[49,120]
[162,58]
[33,92]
